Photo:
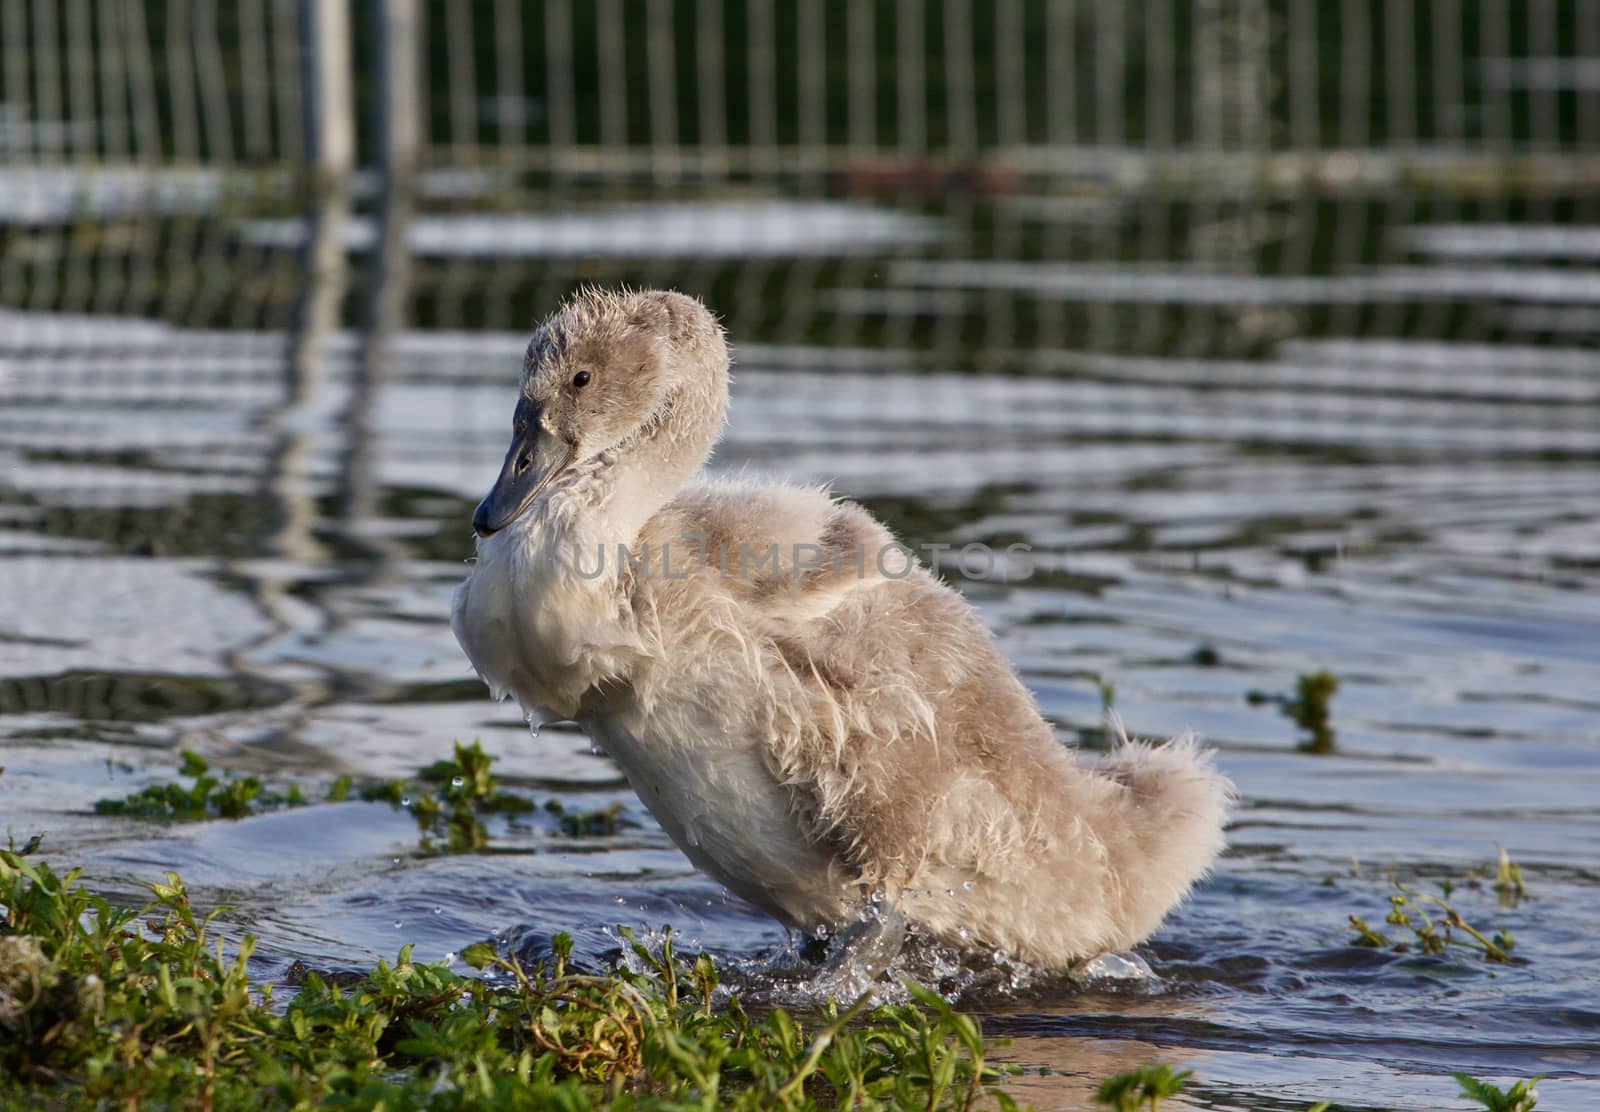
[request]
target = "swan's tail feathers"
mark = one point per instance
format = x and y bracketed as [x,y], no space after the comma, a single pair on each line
[1178,805]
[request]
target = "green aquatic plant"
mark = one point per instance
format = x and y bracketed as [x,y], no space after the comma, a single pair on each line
[205,797]
[1145,1087]
[1310,707]
[601,822]
[451,800]
[153,1007]
[1429,935]
[1521,1097]
[1508,879]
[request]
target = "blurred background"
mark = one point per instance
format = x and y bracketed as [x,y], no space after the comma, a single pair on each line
[1271,326]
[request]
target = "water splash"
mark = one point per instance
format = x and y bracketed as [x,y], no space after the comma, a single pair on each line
[1124,969]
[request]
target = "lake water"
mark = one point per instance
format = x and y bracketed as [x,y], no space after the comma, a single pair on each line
[1235,465]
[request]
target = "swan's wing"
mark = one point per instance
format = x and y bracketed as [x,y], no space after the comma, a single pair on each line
[886,706]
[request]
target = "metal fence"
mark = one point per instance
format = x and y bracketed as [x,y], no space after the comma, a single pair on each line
[721,87]
[177,159]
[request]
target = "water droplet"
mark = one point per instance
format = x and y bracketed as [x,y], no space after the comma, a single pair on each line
[1001,957]
[397,924]
[951,892]
[438,911]
[877,897]
[968,885]
[963,934]
[396,861]
[456,781]
[405,801]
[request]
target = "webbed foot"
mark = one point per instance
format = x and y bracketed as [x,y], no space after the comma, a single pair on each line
[859,953]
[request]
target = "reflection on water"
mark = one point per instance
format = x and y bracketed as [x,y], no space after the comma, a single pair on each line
[1245,450]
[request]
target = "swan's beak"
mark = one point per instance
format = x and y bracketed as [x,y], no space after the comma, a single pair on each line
[536,457]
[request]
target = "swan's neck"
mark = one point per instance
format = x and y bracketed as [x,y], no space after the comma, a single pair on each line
[608,498]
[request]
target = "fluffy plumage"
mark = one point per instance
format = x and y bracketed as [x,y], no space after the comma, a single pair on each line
[809,735]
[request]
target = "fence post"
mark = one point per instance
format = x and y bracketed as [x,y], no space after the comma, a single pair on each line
[330,122]
[396,127]
[329,157]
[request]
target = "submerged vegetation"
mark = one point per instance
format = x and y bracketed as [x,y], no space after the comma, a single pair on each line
[1446,928]
[451,800]
[448,799]
[1310,707]
[1145,1087]
[1520,1097]
[204,797]
[1430,935]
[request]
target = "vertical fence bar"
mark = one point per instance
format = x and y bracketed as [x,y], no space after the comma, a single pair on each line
[1545,74]
[179,55]
[83,138]
[1587,67]
[286,70]
[1061,131]
[561,98]
[1399,80]
[861,54]
[462,75]
[145,134]
[47,77]
[19,99]
[811,45]
[762,90]
[255,88]
[1110,69]
[511,92]
[1160,135]
[329,127]
[960,91]
[1061,71]
[711,99]
[111,283]
[16,128]
[911,90]
[1494,56]
[397,106]
[613,71]
[1304,111]
[395,116]
[212,84]
[661,53]
[330,139]
[1010,73]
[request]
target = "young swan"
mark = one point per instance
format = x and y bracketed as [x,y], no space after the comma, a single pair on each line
[827,732]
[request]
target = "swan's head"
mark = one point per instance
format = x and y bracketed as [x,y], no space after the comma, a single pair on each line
[612,379]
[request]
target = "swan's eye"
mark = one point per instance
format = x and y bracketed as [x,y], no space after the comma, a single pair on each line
[581,379]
